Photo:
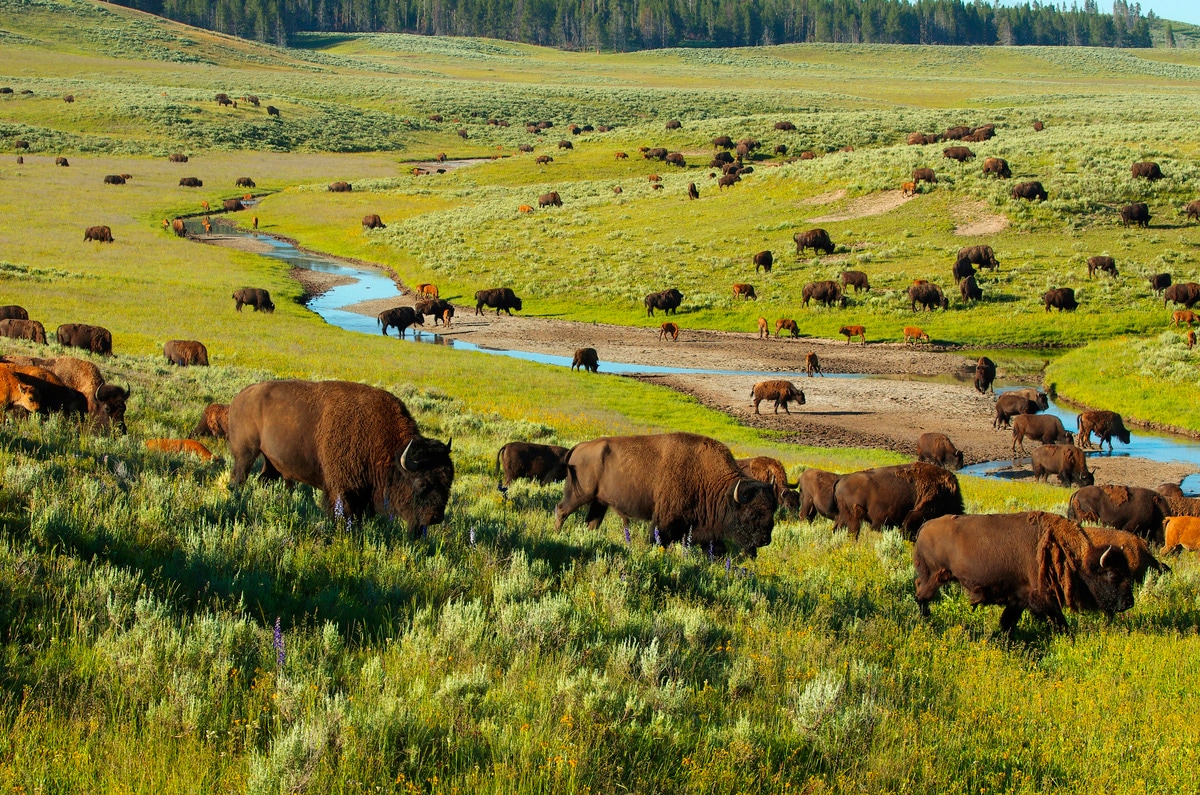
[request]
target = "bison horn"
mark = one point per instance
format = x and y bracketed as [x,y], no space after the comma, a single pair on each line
[736,494]
[404,456]
[1104,557]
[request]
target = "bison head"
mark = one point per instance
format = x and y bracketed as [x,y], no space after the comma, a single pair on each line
[790,500]
[420,487]
[516,303]
[1106,573]
[111,403]
[752,504]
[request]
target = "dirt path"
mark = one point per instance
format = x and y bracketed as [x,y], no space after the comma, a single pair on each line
[977,219]
[866,206]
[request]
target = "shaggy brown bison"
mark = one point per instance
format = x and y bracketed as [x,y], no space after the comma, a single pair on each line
[1105,424]
[962,269]
[1010,405]
[969,289]
[1137,214]
[1148,170]
[983,256]
[985,375]
[1066,461]
[104,403]
[920,139]
[959,153]
[1038,126]
[1102,264]
[904,496]
[1160,282]
[1192,210]
[1183,316]
[684,485]
[936,448]
[565,145]
[786,323]
[1137,552]
[244,182]
[47,390]
[816,239]
[1186,293]
[912,335]
[856,279]
[741,290]
[816,494]
[924,175]
[177,157]
[827,292]
[256,297]
[676,159]
[13,312]
[543,160]
[764,260]
[16,392]
[781,392]
[1180,533]
[101,234]
[213,422]
[114,179]
[771,470]
[728,181]
[667,300]
[545,463]
[1129,508]
[674,124]
[655,153]
[957,133]
[551,199]
[96,339]
[722,142]
[1030,191]
[785,126]
[812,365]
[668,330]
[186,353]
[191,182]
[929,296]
[179,228]
[780,149]
[692,191]
[61,161]
[1060,298]
[498,298]
[1044,428]
[400,318]
[587,358]
[357,444]
[850,332]
[1040,399]
[433,306]
[373,221]
[1032,561]
[340,186]
[232,205]
[997,166]
[19,329]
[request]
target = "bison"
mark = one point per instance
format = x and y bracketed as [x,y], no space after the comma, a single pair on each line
[543,160]
[1060,298]
[920,139]
[667,300]
[357,444]
[676,159]
[668,330]
[400,318]
[435,307]
[1148,171]
[924,175]
[1160,282]
[728,181]
[812,365]
[256,297]
[856,279]
[741,290]
[19,329]
[498,298]
[1137,552]
[186,352]
[985,375]
[692,191]
[1180,316]
[61,161]
[587,358]
[850,332]
[1137,213]
[1102,264]
[96,339]
[179,228]
[180,446]
[114,179]
[786,323]
[1129,508]
[770,470]
[551,199]
[929,296]
[1038,126]
[764,260]
[1030,191]
[191,182]
[1066,461]
[969,289]
[373,221]
[684,485]
[1044,428]
[232,205]
[244,182]
[904,496]
[781,392]
[1105,424]
[104,403]
[958,153]
[912,335]
[962,269]
[213,422]
[1186,293]
[177,157]
[340,186]
[816,239]
[1010,405]
[936,448]
[545,463]
[827,292]
[565,145]
[1032,561]
[1180,533]
[722,142]
[983,256]
[13,312]
[101,234]
[17,392]
[997,166]
[47,390]
[816,488]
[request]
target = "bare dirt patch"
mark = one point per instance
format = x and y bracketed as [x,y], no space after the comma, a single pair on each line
[976,219]
[875,204]
[824,198]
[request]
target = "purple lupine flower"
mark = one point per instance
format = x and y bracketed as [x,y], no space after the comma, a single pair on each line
[280,657]
[687,542]
[657,538]
[711,556]
[339,510]
[472,536]
[628,540]
[728,564]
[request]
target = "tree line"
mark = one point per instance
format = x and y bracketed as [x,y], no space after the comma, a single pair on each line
[646,24]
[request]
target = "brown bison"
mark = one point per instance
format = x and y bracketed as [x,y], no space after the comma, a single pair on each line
[1137,213]
[1186,293]
[433,306]
[213,422]
[785,126]
[786,323]
[373,221]
[357,444]
[720,160]
[764,260]
[782,392]
[1060,298]
[101,234]
[179,228]
[18,329]
[498,298]
[341,187]
[1192,210]
[177,157]
[1066,461]
[997,166]
[565,145]
[741,290]
[104,403]
[684,485]
[936,448]
[46,390]
[1180,533]
[763,331]
[667,300]
[983,256]
[1038,126]
[191,182]
[655,153]
[812,365]
[114,179]
[962,269]
[1105,424]
[904,496]
[17,392]
[256,297]
[674,124]
[668,330]
[96,339]
[722,142]
[180,446]
[400,318]
[13,312]
[551,199]
[827,292]
[1010,405]
[232,205]
[543,160]
[850,332]
[676,159]
[1183,316]
[1030,191]
[1032,561]
[587,358]
[816,239]
[186,353]
[969,289]
[816,494]
[959,153]
[1160,282]
[856,279]
[1129,508]
[957,133]
[929,296]
[1040,399]
[1103,264]
[985,375]
[913,335]
[620,155]
[781,149]
[728,181]
[1044,428]
[924,175]
[545,463]
[244,182]
[770,470]
[61,161]
[908,188]
[1137,552]
[692,191]
[1149,171]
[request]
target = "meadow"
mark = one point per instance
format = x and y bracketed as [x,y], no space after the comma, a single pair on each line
[161,632]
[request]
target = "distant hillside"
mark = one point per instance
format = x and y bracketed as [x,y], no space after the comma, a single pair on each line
[650,24]
[1168,33]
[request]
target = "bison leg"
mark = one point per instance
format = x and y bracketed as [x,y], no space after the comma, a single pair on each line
[756,402]
[1010,618]
[595,514]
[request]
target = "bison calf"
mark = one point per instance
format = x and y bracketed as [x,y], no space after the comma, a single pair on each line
[587,358]
[782,392]
[936,448]
[544,463]
[186,352]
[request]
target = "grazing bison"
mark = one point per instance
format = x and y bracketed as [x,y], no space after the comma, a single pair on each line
[684,485]
[676,159]
[1038,126]
[903,496]
[816,239]
[1044,428]
[434,306]
[856,279]
[1032,561]
[49,392]
[962,269]
[692,191]
[232,205]
[959,153]
[826,292]
[1186,293]
[924,175]
[186,353]
[587,358]
[674,124]
[997,166]
[357,444]
[721,159]
[619,155]
[96,339]
[744,291]
[105,403]
[850,332]
[668,330]
[400,318]
[985,375]
[1066,461]
[782,392]
[498,298]
[1183,316]
[19,329]
[722,142]
[929,296]
[1060,298]
[912,335]
[1137,213]
[1041,399]
[781,149]
[213,422]
[764,260]
[191,182]
[1030,191]
[16,392]
[244,182]
[969,289]
[551,199]
[936,448]
[341,187]
[785,126]
[177,157]
[114,179]
[1180,533]
[101,234]
[788,324]
[1137,552]
[1010,405]
[13,312]
[545,463]
[1160,282]
[956,133]
[61,161]
[812,365]
[373,221]
[1105,424]
[771,470]
[817,494]
[808,155]
[1129,508]
[728,181]
[983,256]
[668,301]
[178,227]
[655,153]
[256,297]
[565,145]
[1102,264]
[1149,171]
[920,139]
